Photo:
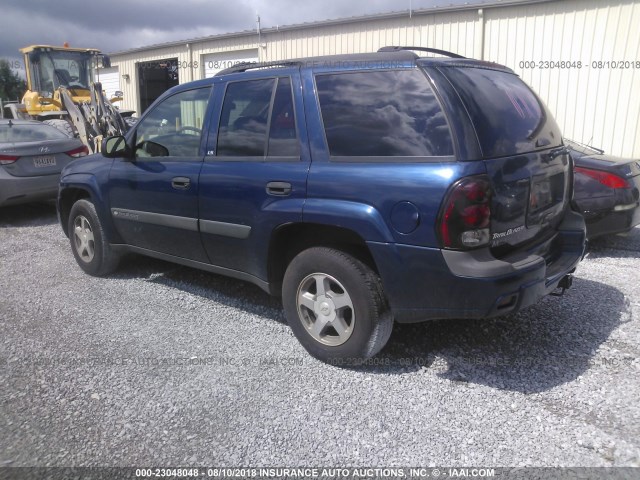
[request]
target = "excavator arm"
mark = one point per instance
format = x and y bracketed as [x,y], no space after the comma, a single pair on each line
[95,119]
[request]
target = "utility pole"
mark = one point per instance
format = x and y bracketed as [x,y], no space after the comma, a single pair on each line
[258,22]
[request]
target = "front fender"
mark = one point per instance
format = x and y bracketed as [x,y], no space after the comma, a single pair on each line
[87,183]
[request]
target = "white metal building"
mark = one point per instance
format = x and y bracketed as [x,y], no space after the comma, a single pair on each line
[110,80]
[581,56]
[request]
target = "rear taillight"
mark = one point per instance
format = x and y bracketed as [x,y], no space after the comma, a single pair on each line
[605,178]
[464,220]
[78,152]
[7,159]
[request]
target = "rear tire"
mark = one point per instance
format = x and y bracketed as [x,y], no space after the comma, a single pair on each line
[335,306]
[88,241]
[62,125]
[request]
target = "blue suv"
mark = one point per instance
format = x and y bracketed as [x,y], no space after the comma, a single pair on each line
[364,189]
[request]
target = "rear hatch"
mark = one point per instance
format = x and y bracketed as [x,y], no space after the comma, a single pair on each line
[529,169]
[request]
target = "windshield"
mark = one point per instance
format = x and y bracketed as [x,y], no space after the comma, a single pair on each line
[53,69]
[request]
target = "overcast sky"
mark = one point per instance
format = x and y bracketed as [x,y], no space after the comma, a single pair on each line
[115,25]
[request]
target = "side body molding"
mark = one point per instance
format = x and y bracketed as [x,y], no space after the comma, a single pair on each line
[185,223]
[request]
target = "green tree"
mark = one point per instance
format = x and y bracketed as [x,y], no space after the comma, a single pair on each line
[12,87]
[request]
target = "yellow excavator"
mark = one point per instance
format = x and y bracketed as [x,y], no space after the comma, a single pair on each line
[62,92]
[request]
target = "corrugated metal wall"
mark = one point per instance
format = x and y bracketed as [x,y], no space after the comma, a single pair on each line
[456,32]
[592,100]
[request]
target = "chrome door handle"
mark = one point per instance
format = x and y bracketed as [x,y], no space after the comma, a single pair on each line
[279,189]
[181,183]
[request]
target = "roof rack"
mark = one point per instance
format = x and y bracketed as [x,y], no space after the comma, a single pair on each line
[244,66]
[421,49]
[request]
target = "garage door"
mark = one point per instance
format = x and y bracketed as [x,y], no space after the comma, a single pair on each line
[214,62]
[110,80]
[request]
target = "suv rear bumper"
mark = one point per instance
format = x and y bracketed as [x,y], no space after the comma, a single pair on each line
[428,283]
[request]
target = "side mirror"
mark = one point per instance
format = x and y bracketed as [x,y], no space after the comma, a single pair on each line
[114,147]
[153,149]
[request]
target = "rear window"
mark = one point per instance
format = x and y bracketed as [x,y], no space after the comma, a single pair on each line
[28,133]
[382,114]
[508,117]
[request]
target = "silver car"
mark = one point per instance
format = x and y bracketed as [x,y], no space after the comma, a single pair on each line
[32,155]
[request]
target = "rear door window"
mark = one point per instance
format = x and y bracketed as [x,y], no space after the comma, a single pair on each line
[258,121]
[508,117]
[283,138]
[382,114]
[245,118]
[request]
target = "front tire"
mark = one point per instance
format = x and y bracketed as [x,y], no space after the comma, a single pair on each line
[335,306]
[88,241]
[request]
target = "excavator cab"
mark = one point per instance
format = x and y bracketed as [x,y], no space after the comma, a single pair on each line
[49,68]
[63,93]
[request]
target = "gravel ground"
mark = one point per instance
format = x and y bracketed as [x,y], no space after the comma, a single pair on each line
[163,365]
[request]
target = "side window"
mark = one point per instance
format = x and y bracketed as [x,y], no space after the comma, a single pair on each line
[244,119]
[174,127]
[283,139]
[382,114]
[254,125]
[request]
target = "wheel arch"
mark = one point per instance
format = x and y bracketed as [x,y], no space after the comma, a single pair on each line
[66,199]
[74,187]
[289,240]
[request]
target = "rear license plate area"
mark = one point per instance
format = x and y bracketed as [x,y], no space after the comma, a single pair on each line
[546,192]
[47,161]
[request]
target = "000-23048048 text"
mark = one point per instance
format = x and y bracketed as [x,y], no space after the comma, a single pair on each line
[573,64]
